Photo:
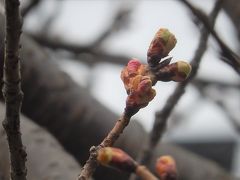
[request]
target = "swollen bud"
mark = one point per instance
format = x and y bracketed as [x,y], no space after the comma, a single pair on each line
[166,168]
[163,42]
[182,72]
[141,92]
[178,71]
[116,158]
[138,83]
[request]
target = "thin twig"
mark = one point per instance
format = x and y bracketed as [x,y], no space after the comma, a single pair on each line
[199,82]
[161,117]
[109,140]
[12,92]
[227,55]
[220,103]
[29,7]
[144,173]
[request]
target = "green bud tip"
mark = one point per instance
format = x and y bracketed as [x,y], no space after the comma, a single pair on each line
[184,67]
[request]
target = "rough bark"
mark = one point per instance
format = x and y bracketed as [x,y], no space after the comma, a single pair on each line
[12,91]
[46,158]
[78,121]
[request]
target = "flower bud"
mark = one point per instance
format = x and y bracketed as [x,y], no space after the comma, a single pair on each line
[116,158]
[163,42]
[178,71]
[133,68]
[166,168]
[137,80]
[182,71]
[141,92]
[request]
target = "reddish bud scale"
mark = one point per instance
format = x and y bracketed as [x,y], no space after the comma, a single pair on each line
[178,72]
[163,42]
[116,158]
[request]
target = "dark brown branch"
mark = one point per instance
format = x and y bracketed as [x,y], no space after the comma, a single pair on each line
[12,92]
[162,116]
[227,55]
[29,7]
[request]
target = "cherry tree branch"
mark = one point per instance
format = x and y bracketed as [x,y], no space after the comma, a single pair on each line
[109,140]
[12,92]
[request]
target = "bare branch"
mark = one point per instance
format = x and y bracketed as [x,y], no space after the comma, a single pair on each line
[108,141]
[12,92]
[77,50]
[220,84]
[162,116]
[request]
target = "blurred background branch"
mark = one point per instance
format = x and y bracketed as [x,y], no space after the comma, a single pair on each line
[29,7]
[226,54]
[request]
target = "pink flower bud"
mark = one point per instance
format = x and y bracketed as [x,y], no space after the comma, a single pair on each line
[133,68]
[141,92]
[163,42]
[166,168]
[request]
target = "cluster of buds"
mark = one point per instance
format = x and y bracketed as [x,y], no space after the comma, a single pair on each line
[139,78]
[138,84]
[166,168]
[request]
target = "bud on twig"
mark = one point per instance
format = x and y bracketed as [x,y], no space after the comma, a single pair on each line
[178,71]
[163,42]
[116,158]
[182,72]
[166,168]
